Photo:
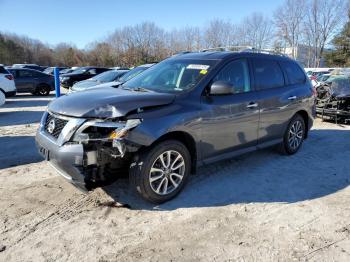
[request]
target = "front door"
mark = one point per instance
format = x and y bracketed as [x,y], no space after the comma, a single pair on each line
[24,80]
[230,122]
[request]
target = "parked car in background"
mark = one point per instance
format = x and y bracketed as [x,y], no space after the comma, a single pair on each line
[7,83]
[30,66]
[119,68]
[129,75]
[183,112]
[108,76]
[314,73]
[67,71]
[50,70]
[32,81]
[322,78]
[82,73]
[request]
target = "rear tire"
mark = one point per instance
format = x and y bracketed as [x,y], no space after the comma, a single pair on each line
[294,136]
[159,173]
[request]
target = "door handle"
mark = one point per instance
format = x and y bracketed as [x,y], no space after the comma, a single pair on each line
[252,105]
[292,98]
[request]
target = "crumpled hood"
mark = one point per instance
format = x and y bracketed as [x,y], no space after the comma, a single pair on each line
[107,102]
[341,88]
[341,91]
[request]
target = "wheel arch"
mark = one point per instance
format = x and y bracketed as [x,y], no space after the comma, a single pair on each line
[185,138]
[305,116]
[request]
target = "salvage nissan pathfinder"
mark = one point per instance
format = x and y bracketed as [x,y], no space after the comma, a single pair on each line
[190,109]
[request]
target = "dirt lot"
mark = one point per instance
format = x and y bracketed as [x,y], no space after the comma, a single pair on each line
[261,206]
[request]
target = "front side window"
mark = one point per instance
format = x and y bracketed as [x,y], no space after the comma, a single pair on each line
[172,76]
[237,74]
[267,73]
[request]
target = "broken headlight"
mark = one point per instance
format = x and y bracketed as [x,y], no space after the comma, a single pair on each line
[107,131]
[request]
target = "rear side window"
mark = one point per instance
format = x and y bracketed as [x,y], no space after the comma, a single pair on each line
[38,74]
[237,74]
[3,70]
[268,74]
[24,73]
[294,72]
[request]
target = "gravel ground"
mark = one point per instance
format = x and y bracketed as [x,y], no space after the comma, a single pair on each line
[258,207]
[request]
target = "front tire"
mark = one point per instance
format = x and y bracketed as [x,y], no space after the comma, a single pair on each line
[294,136]
[160,173]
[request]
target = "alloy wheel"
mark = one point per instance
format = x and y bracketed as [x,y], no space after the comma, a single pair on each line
[167,172]
[296,134]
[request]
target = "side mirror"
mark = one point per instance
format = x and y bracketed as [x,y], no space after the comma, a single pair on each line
[221,88]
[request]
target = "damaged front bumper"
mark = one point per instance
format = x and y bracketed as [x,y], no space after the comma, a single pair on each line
[335,107]
[80,162]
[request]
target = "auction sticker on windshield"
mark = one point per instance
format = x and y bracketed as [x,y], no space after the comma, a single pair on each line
[198,67]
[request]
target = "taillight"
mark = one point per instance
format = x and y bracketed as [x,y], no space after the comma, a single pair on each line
[9,77]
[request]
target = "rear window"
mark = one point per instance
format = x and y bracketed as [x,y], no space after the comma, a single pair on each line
[268,74]
[294,72]
[3,70]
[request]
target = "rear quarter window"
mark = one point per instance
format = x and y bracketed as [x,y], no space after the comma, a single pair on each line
[267,73]
[294,73]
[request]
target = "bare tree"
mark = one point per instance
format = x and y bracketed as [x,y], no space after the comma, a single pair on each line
[257,31]
[323,19]
[288,22]
[218,33]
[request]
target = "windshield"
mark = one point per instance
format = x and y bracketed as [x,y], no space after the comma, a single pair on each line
[107,76]
[172,75]
[132,73]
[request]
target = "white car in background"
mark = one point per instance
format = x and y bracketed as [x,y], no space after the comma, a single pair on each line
[7,82]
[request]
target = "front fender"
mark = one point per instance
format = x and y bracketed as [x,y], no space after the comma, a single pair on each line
[161,121]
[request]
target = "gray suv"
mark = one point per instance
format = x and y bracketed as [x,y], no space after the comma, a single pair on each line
[189,110]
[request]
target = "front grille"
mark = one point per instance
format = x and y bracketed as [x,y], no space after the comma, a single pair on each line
[56,129]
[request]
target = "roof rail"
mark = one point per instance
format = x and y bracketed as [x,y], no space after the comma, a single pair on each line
[243,49]
[237,48]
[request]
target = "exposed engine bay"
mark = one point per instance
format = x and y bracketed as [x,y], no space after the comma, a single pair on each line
[106,151]
[333,100]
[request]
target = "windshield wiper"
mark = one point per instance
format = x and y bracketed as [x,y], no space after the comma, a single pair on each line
[140,89]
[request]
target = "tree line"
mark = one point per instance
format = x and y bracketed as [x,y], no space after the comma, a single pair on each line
[309,23]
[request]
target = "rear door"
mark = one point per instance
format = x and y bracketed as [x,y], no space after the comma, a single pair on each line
[230,122]
[275,97]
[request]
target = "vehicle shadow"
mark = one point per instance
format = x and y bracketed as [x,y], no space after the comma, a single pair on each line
[18,150]
[320,168]
[20,117]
